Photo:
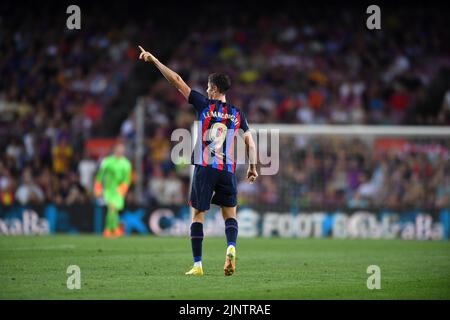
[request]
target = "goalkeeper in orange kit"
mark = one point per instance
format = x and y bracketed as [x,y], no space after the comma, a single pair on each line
[112,181]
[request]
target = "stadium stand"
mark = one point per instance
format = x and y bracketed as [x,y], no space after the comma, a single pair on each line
[293,69]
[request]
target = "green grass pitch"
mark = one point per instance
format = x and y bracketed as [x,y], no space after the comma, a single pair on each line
[146,267]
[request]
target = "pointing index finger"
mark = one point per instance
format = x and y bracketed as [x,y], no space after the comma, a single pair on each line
[142,49]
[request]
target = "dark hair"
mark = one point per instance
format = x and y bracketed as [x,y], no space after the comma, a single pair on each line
[221,81]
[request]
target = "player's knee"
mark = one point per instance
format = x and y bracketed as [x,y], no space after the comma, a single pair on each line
[198,216]
[229,212]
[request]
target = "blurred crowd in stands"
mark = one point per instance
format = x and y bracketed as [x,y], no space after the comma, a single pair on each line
[351,172]
[56,88]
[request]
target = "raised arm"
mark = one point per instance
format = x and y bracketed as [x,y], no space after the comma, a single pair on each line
[250,147]
[171,76]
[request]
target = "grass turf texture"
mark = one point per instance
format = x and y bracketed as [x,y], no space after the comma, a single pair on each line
[153,268]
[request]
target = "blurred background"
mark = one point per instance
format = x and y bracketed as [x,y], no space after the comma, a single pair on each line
[67,95]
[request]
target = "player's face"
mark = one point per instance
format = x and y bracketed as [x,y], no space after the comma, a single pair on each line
[120,150]
[211,90]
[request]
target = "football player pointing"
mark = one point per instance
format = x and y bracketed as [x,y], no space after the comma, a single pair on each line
[214,178]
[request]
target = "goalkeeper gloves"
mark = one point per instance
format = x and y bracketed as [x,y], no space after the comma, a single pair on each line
[98,189]
[122,189]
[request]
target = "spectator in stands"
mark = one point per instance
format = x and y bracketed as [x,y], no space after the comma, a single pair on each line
[86,170]
[7,186]
[62,156]
[28,191]
[287,70]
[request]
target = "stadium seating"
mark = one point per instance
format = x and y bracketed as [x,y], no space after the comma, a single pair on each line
[285,69]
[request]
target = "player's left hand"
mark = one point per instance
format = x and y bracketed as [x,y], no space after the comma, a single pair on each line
[122,189]
[252,175]
[147,56]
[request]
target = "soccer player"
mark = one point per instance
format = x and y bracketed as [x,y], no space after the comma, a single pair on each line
[113,180]
[214,178]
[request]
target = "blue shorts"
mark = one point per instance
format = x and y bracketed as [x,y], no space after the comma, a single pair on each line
[214,186]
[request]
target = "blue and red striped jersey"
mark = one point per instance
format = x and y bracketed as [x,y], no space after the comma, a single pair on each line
[218,124]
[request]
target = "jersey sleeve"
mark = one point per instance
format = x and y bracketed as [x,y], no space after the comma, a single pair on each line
[244,123]
[198,100]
